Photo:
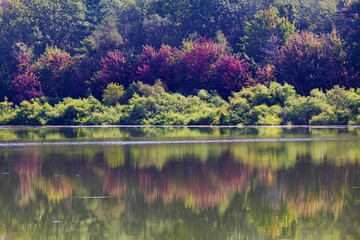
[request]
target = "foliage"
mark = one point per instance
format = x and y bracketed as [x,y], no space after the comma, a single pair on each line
[115,69]
[203,64]
[55,69]
[309,61]
[153,65]
[195,64]
[113,93]
[170,109]
[269,104]
[26,84]
[265,34]
[260,105]
[200,64]
[349,24]
[316,16]
[230,74]
[64,48]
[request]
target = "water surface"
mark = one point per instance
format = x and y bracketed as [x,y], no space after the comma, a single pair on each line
[179,183]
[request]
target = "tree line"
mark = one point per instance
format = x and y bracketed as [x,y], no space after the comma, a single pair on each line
[58,49]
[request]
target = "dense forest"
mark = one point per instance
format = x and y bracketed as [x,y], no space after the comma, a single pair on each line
[145,61]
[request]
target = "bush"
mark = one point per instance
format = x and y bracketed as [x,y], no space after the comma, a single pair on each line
[6,111]
[271,94]
[271,104]
[264,115]
[74,111]
[167,109]
[31,113]
[113,93]
[143,90]
[238,109]
[299,110]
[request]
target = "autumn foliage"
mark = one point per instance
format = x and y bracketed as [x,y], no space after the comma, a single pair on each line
[25,84]
[55,72]
[230,74]
[115,68]
[309,61]
[201,64]
[160,64]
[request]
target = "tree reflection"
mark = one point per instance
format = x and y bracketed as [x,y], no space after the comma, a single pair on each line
[27,166]
[198,185]
[272,190]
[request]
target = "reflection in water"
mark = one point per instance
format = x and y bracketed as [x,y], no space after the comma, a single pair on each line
[27,167]
[246,190]
[199,185]
[122,143]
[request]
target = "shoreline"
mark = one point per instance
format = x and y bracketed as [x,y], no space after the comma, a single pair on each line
[180,126]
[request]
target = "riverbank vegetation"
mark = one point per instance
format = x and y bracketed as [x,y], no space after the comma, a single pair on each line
[263,104]
[179,62]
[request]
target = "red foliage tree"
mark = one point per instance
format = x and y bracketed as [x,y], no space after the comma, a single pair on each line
[265,74]
[196,63]
[201,64]
[115,69]
[26,84]
[153,65]
[230,74]
[309,61]
[55,68]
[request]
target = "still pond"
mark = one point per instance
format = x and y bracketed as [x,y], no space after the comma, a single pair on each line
[179,183]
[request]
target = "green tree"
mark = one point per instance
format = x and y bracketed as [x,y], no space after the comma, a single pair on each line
[266,28]
[113,93]
[350,31]
[313,15]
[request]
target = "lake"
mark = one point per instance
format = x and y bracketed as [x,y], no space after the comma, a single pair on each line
[179,183]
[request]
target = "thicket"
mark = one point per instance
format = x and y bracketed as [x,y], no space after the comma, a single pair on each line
[263,104]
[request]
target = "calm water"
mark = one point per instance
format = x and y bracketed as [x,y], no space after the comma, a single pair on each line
[179,183]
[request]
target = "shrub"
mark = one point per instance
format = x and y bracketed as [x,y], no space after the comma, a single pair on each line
[6,111]
[264,115]
[168,108]
[31,113]
[113,93]
[74,111]
[328,117]
[143,90]
[270,104]
[299,110]
[239,109]
[271,94]
[108,115]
